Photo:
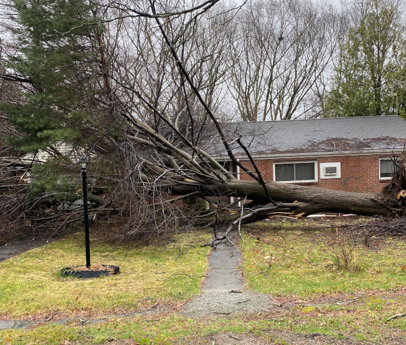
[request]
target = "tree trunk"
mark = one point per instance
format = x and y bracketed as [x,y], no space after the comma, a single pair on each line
[298,199]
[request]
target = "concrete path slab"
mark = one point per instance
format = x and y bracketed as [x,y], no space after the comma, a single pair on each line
[223,291]
[17,324]
[11,249]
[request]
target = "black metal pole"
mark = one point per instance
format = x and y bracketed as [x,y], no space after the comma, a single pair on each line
[85,214]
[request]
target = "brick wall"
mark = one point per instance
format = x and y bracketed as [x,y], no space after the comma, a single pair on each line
[358,173]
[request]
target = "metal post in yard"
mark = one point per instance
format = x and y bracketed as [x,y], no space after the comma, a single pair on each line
[83,164]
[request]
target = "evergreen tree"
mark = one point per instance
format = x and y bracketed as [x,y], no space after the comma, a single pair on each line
[57,62]
[370,67]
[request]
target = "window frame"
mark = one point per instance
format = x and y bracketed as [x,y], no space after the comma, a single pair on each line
[386,177]
[297,181]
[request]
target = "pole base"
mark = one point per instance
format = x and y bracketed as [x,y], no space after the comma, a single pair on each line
[94,271]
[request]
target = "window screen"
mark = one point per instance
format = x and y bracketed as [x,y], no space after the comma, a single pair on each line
[284,172]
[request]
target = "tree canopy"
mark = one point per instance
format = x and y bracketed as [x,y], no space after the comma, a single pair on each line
[58,64]
[370,71]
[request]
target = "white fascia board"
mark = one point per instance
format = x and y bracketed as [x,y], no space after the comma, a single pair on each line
[319,154]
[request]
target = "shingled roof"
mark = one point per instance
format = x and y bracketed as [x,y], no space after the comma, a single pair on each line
[317,136]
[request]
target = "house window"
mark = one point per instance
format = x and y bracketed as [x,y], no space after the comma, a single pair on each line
[226,165]
[386,168]
[295,172]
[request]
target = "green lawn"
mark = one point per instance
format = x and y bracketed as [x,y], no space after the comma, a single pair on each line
[30,284]
[295,261]
[282,261]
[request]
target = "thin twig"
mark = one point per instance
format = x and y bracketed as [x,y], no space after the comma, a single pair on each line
[181,248]
[397,316]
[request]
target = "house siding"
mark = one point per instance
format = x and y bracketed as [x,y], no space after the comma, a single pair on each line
[359,173]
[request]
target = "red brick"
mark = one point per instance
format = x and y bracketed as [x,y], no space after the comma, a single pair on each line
[358,173]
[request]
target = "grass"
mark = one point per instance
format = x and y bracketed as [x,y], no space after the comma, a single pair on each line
[358,322]
[30,284]
[291,260]
[168,329]
[282,262]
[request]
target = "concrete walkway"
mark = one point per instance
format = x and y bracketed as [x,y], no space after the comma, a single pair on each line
[223,291]
[16,248]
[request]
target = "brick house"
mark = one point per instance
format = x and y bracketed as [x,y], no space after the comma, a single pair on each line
[349,154]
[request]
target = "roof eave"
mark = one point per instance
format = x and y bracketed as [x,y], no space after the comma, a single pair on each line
[301,155]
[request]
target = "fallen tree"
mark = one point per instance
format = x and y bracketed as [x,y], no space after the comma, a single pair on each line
[146,128]
[298,200]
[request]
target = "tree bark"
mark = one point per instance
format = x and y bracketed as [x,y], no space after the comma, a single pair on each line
[298,199]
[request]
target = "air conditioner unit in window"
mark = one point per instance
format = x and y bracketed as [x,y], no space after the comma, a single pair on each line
[330,171]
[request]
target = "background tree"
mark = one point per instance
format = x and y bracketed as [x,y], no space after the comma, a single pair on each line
[370,68]
[280,50]
[63,102]
[59,64]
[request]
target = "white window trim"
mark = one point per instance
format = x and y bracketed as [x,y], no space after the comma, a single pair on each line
[332,164]
[383,178]
[297,181]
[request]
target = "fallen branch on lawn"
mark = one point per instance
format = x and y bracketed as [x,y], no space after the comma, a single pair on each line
[397,316]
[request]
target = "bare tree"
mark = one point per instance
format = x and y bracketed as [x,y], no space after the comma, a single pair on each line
[282,49]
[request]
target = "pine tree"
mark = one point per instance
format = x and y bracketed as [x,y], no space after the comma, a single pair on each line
[57,61]
[370,64]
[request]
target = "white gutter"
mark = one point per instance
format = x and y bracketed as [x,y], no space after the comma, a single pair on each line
[320,154]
